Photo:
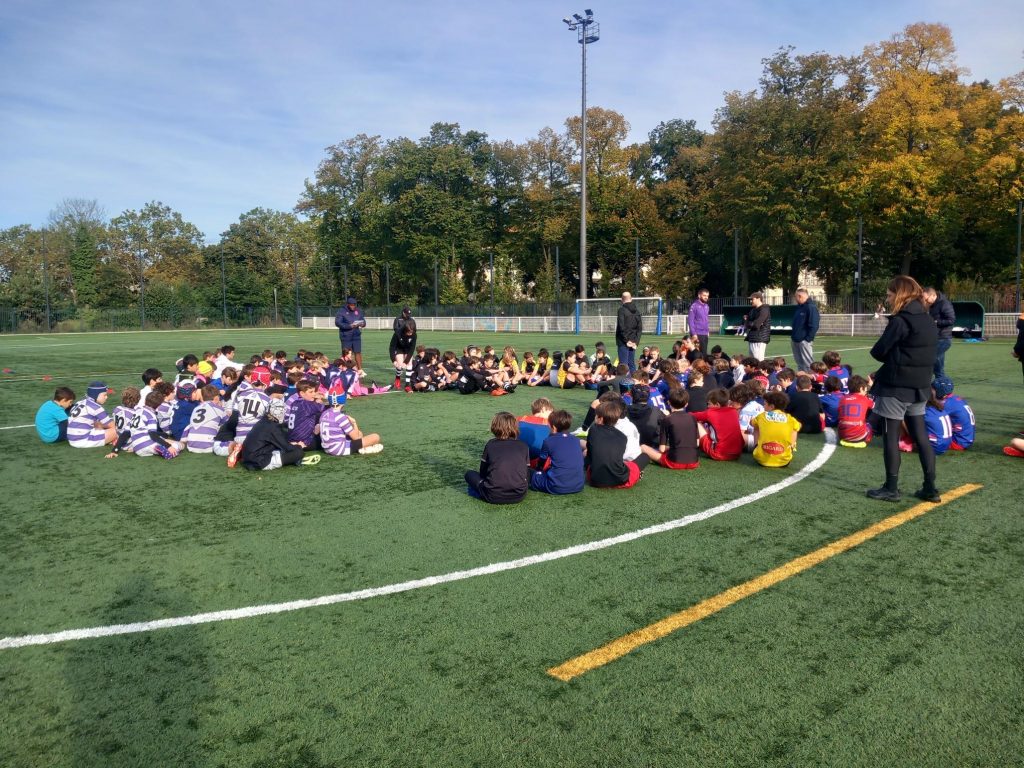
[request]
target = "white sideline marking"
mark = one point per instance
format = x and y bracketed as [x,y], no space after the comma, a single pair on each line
[407,586]
[20,426]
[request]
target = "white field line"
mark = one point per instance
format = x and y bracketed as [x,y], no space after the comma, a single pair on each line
[20,426]
[431,581]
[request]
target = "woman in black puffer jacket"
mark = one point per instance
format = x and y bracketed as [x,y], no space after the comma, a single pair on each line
[902,385]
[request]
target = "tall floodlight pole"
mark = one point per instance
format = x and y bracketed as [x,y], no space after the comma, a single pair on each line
[587,31]
[1020,214]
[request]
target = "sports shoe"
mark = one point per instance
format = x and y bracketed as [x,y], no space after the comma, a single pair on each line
[1011,451]
[928,495]
[398,382]
[408,388]
[848,444]
[883,494]
[372,448]
[956,447]
[312,460]
[164,452]
[581,433]
[233,456]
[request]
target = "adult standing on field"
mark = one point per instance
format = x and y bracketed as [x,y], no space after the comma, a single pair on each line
[941,310]
[758,323]
[628,327]
[403,345]
[806,320]
[902,385]
[351,321]
[697,319]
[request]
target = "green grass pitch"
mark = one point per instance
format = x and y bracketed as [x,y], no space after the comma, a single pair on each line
[906,650]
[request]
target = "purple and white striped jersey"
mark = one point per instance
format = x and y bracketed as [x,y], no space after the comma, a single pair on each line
[123,416]
[203,426]
[165,415]
[252,405]
[335,426]
[83,415]
[144,420]
[302,416]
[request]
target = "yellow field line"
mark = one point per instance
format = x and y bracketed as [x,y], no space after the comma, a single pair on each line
[627,643]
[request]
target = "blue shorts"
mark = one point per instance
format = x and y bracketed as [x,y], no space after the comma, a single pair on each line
[355,343]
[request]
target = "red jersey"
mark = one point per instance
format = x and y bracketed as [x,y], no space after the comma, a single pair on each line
[723,426]
[853,416]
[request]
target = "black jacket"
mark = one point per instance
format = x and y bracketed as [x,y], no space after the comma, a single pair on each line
[759,325]
[943,315]
[629,325]
[907,350]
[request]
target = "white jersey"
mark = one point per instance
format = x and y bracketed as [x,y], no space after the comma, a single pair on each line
[123,418]
[83,419]
[628,428]
[206,421]
[251,407]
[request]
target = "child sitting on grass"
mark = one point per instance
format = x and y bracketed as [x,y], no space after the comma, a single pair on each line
[806,407]
[606,445]
[147,439]
[563,468]
[854,428]
[339,434]
[89,425]
[677,447]
[267,447]
[961,416]
[52,416]
[200,434]
[534,428]
[721,438]
[504,475]
[775,432]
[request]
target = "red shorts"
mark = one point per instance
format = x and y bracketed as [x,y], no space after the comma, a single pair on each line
[634,476]
[710,448]
[667,463]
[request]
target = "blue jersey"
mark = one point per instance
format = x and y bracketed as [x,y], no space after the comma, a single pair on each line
[842,373]
[940,429]
[962,418]
[830,404]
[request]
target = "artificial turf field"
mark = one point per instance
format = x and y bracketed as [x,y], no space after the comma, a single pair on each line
[905,650]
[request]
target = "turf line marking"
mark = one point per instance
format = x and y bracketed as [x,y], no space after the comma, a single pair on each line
[23,641]
[616,649]
[20,426]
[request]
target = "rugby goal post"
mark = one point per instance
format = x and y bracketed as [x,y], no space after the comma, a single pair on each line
[600,315]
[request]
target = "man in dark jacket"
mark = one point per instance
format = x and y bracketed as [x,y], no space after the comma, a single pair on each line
[806,320]
[758,323]
[351,321]
[941,311]
[628,327]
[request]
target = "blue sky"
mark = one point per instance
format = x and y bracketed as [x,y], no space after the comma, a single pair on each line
[215,108]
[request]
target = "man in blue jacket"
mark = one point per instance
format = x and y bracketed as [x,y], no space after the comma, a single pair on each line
[806,320]
[941,310]
[351,321]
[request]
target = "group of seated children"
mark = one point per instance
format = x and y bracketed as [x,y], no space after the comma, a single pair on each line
[678,418]
[266,414]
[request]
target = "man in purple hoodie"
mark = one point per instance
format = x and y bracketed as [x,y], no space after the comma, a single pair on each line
[697,319]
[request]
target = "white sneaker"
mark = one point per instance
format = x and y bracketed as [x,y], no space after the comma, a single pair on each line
[372,448]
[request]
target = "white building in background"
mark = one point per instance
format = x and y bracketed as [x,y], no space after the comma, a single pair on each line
[807,279]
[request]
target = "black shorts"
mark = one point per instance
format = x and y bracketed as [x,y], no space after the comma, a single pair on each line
[356,445]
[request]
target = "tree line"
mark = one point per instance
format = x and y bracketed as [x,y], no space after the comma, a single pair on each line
[894,139]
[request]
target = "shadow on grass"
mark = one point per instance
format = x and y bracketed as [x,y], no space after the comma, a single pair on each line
[138,698]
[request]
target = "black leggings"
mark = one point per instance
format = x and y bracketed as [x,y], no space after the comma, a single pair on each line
[891,447]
